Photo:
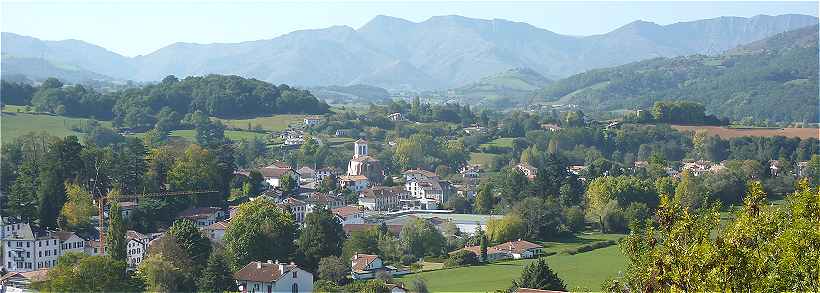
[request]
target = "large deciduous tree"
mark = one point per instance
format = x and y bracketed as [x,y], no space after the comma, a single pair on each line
[259,230]
[322,236]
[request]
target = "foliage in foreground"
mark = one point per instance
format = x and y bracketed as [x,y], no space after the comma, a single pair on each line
[765,248]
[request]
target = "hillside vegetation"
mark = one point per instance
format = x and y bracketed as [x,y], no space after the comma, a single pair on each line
[775,79]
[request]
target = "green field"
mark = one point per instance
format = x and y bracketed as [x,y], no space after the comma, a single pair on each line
[13,124]
[190,134]
[504,142]
[270,123]
[484,159]
[584,271]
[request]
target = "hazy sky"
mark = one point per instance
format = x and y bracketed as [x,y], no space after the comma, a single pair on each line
[133,28]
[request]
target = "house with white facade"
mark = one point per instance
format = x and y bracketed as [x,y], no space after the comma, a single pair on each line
[20,282]
[28,248]
[351,214]
[396,117]
[529,171]
[518,249]
[203,216]
[136,248]
[382,198]
[273,174]
[355,183]
[365,266]
[216,231]
[267,277]
[296,207]
[312,120]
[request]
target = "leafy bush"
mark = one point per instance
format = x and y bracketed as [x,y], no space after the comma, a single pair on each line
[614,221]
[574,219]
[589,247]
[461,258]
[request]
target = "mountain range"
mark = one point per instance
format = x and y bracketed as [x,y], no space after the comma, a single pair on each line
[438,53]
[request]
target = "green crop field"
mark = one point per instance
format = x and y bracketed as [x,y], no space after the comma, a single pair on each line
[14,124]
[484,159]
[584,271]
[270,123]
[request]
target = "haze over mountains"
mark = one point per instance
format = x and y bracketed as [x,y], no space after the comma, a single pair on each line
[441,52]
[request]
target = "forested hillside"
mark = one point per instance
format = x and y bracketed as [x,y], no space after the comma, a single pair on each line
[215,95]
[775,79]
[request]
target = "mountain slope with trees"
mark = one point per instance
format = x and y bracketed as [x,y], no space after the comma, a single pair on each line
[770,79]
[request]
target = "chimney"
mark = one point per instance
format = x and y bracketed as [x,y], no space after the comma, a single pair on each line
[258,264]
[269,261]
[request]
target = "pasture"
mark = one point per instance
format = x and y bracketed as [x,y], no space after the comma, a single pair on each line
[583,271]
[725,132]
[14,124]
[269,123]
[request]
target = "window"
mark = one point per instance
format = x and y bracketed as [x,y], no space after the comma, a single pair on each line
[294,274]
[28,244]
[294,288]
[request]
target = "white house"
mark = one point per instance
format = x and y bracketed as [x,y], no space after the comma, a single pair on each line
[70,242]
[382,198]
[27,248]
[269,277]
[509,250]
[274,173]
[395,117]
[312,120]
[322,173]
[19,282]
[356,183]
[136,247]
[529,171]
[296,207]
[216,231]
[349,215]
[365,266]
[204,216]
[306,173]
[363,164]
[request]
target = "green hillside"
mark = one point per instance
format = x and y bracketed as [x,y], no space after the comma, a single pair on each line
[773,79]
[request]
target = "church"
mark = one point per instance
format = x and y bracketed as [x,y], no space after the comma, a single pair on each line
[363,164]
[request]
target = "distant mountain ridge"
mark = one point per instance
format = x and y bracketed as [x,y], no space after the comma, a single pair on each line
[441,52]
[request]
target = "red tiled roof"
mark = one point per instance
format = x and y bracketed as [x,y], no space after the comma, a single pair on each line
[64,235]
[420,171]
[268,172]
[131,234]
[198,213]
[517,247]
[347,211]
[359,261]
[353,178]
[262,272]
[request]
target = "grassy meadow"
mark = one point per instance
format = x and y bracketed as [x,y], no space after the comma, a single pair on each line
[583,271]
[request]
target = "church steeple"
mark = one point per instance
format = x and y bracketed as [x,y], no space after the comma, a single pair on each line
[359,148]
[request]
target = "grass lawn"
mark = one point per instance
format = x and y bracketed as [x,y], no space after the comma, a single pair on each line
[483,159]
[13,124]
[581,271]
[504,142]
[270,123]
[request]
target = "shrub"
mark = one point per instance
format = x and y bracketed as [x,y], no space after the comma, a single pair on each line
[635,214]
[461,258]
[574,219]
[589,247]
[614,221]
